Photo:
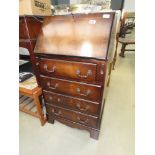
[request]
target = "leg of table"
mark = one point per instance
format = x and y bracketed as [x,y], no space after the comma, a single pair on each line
[39,109]
[40,100]
[123,50]
[109,74]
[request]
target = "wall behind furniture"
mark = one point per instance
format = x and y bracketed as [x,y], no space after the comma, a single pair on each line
[117,4]
[57,2]
[88,1]
[129,5]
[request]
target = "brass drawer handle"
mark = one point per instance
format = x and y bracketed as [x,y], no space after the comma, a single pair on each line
[89,73]
[59,100]
[102,69]
[50,97]
[82,121]
[52,87]
[86,94]
[50,71]
[37,63]
[82,109]
[56,113]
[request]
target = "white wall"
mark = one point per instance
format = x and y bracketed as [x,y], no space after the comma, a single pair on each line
[129,5]
[79,1]
[74,1]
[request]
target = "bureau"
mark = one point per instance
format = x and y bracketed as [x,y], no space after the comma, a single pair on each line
[71,64]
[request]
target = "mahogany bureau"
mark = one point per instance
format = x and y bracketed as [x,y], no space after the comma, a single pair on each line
[71,66]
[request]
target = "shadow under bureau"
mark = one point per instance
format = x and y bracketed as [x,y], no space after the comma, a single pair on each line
[71,65]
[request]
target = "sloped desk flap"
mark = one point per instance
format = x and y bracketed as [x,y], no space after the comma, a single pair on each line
[83,35]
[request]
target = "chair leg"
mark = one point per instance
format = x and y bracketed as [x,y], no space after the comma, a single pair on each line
[123,50]
[39,109]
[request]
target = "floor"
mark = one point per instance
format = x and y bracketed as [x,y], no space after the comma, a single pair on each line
[117,129]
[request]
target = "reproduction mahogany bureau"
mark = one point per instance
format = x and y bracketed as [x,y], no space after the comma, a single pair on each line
[71,66]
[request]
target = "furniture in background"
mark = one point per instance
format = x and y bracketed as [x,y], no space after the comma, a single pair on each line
[121,33]
[29,27]
[29,101]
[128,40]
[127,32]
[124,36]
[128,20]
[72,68]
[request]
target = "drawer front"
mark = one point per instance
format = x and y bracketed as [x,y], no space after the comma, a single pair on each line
[81,90]
[73,103]
[73,116]
[68,69]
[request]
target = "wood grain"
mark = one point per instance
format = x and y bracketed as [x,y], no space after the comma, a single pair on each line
[78,35]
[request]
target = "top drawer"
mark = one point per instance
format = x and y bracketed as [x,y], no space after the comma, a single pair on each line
[68,69]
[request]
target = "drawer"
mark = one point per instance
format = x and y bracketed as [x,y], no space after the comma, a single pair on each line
[75,89]
[72,115]
[73,103]
[68,69]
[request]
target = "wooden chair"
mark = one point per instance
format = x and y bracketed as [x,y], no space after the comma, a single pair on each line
[127,37]
[30,101]
[125,42]
[123,36]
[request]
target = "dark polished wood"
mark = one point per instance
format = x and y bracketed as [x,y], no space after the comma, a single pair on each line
[100,66]
[94,132]
[23,31]
[85,106]
[72,115]
[76,35]
[28,44]
[80,90]
[29,28]
[123,48]
[60,68]
[72,68]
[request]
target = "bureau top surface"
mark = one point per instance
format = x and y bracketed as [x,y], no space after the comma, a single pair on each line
[82,35]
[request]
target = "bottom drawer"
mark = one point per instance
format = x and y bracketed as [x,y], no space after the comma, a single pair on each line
[72,115]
